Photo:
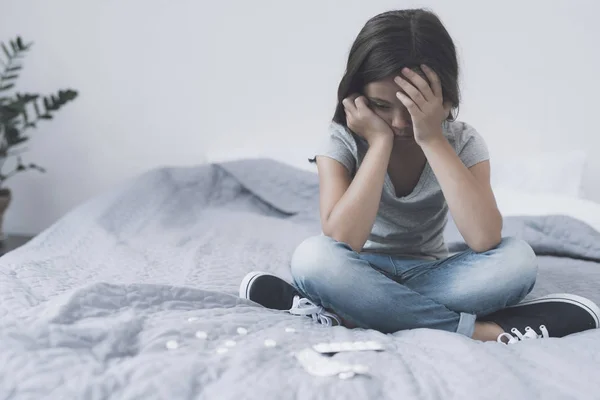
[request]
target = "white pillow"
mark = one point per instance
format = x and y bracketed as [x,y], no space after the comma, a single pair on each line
[517,203]
[543,172]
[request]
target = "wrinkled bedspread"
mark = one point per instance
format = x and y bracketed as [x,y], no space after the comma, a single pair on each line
[87,308]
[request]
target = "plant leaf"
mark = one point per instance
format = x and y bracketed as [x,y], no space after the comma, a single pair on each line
[46,116]
[7,77]
[14,68]
[8,115]
[6,51]
[13,136]
[9,86]
[35,166]
[19,140]
[22,45]
[28,97]
[67,95]
[14,107]
[13,44]
[20,166]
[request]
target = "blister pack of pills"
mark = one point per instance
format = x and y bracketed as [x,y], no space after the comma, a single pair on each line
[339,347]
[317,364]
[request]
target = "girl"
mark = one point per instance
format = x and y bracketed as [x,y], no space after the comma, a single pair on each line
[395,162]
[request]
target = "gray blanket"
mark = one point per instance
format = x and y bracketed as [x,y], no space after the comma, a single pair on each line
[133,295]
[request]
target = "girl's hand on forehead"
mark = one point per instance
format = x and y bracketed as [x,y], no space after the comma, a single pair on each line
[424,101]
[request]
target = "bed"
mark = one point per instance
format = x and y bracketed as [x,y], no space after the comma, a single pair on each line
[134,295]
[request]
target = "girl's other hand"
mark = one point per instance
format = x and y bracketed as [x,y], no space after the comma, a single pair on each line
[364,122]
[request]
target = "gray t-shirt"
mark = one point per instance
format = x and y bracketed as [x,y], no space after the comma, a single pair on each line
[411,226]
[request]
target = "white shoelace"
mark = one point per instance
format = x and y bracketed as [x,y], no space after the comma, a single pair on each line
[518,336]
[303,306]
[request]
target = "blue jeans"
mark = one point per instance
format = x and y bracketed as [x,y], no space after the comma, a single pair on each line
[390,294]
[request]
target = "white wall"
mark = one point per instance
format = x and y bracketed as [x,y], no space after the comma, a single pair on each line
[167,82]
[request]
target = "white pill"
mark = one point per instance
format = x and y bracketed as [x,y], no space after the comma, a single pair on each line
[222,350]
[192,319]
[230,343]
[346,346]
[242,331]
[172,344]
[346,375]
[372,345]
[343,367]
[320,346]
[201,335]
[360,369]
[290,330]
[270,343]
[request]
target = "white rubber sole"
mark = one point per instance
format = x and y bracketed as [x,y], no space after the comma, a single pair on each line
[588,305]
[247,282]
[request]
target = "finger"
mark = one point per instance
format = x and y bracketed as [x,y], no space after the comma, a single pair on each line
[349,117]
[415,95]
[434,80]
[419,82]
[349,107]
[362,106]
[361,103]
[348,103]
[410,105]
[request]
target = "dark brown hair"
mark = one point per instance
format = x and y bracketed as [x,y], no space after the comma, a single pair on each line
[396,39]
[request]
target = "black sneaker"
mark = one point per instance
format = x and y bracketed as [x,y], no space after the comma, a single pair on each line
[273,292]
[555,315]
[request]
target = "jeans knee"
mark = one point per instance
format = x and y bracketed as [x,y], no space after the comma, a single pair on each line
[312,257]
[520,259]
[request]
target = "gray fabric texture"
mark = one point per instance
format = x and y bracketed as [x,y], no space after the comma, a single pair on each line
[88,306]
[411,225]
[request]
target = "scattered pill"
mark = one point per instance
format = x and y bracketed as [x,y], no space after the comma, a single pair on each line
[201,335]
[172,344]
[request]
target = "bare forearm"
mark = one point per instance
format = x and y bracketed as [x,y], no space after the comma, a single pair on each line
[472,205]
[352,218]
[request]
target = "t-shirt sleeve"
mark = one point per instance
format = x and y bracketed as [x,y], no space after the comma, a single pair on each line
[339,145]
[472,147]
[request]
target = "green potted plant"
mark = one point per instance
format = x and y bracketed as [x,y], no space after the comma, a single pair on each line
[19,112]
